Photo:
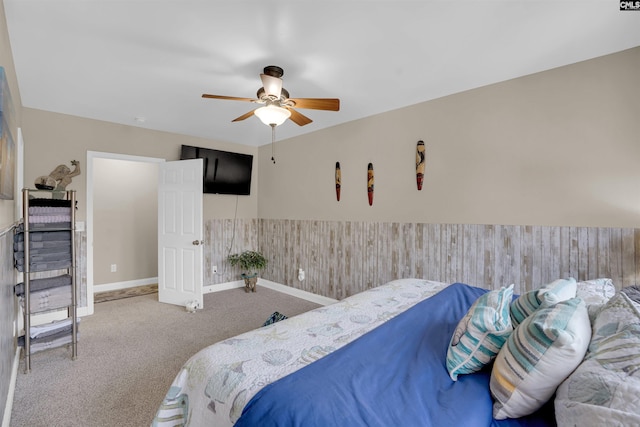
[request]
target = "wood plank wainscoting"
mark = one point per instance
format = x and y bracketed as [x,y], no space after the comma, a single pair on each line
[81,267]
[341,258]
[8,360]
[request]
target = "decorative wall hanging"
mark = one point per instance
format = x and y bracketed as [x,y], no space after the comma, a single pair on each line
[7,146]
[370,183]
[338,180]
[420,157]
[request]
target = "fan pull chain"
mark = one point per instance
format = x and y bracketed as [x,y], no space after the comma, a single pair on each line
[273,140]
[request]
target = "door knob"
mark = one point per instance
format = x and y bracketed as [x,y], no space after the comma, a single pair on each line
[198,242]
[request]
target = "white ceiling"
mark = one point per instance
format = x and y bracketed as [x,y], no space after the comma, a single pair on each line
[115,60]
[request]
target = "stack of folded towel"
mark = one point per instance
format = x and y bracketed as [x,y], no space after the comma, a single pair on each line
[49,236]
[46,294]
[50,335]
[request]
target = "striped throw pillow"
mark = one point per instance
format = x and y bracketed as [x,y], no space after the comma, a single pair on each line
[480,334]
[547,295]
[542,351]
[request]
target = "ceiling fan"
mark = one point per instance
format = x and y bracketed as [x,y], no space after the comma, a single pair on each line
[277,106]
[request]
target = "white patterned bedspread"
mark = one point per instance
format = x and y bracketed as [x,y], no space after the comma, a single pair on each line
[216,383]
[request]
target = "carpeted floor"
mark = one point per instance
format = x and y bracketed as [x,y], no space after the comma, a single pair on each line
[129,352]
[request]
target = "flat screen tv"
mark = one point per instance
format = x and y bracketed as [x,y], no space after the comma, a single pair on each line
[224,172]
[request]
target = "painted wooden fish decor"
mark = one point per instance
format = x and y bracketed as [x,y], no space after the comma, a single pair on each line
[420,160]
[370,183]
[338,180]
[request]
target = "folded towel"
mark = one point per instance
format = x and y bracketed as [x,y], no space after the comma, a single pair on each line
[50,202]
[45,266]
[47,257]
[36,246]
[52,247]
[50,342]
[44,283]
[45,219]
[44,226]
[43,236]
[48,299]
[51,328]
[49,210]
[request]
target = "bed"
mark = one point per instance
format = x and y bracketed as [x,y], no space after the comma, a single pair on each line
[387,357]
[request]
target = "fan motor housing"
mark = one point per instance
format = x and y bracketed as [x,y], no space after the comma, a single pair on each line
[273,71]
[284,94]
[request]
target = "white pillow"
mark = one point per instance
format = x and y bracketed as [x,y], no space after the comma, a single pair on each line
[605,388]
[481,333]
[562,289]
[540,353]
[596,291]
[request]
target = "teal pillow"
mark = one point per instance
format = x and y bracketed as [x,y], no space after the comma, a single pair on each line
[480,334]
[546,296]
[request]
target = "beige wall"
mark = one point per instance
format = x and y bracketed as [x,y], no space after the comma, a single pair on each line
[51,139]
[560,147]
[125,220]
[6,61]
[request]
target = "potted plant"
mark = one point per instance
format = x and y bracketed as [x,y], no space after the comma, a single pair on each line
[249,261]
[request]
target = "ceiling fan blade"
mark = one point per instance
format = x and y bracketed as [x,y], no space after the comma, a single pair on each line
[272,85]
[299,119]
[244,116]
[330,104]
[230,98]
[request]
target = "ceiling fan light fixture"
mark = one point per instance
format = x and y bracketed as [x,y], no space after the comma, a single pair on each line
[272,86]
[272,115]
[277,105]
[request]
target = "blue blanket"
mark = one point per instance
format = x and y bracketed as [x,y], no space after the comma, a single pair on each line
[394,375]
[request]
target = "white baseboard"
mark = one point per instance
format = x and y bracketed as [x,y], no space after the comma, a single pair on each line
[298,293]
[222,286]
[6,419]
[115,286]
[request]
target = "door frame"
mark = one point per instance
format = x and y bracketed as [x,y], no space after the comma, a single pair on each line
[91,155]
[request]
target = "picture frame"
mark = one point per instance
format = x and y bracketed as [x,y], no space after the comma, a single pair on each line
[7,144]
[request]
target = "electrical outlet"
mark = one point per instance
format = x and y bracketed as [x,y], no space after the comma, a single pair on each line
[114,268]
[214,269]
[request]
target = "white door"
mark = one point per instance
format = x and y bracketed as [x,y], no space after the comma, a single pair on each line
[180,243]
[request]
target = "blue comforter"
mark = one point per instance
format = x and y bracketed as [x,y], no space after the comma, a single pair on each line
[394,375]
